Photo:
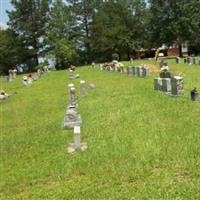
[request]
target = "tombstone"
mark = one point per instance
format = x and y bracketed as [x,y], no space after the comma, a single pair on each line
[72,117]
[14,73]
[83,88]
[77,145]
[73,99]
[25,81]
[185,60]
[93,64]
[91,85]
[166,85]
[10,75]
[35,76]
[177,60]
[177,85]
[129,70]
[101,67]
[190,60]
[158,84]
[145,71]
[72,74]
[194,95]
[165,74]
[139,71]
[194,61]
[133,71]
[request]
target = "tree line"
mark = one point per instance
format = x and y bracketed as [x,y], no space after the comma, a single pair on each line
[81,31]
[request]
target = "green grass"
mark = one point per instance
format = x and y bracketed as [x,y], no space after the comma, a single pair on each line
[142,144]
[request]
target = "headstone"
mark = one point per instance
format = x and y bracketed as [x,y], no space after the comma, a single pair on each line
[133,70]
[177,85]
[158,84]
[25,81]
[72,74]
[185,60]
[177,60]
[166,85]
[14,73]
[129,70]
[73,99]
[83,88]
[72,117]
[194,95]
[10,75]
[140,71]
[101,67]
[77,145]
[145,71]
[91,85]
[194,61]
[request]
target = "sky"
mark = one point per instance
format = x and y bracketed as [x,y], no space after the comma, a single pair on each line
[4,5]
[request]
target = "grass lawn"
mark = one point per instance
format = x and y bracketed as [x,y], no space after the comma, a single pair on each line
[142,144]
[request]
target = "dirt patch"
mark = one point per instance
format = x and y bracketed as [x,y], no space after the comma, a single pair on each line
[152,68]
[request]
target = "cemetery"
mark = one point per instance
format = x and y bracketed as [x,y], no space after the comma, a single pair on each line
[112,136]
[99,100]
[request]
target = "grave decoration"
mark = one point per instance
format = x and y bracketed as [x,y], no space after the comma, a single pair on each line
[194,94]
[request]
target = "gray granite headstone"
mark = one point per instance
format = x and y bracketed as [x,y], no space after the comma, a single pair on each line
[72,118]
[158,84]
[129,70]
[133,70]
[83,88]
[166,85]
[177,85]
[177,60]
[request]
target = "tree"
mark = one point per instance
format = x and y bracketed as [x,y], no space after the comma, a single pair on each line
[175,22]
[61,42]
[119,27]
[84,11]
[29,20]
[11,51]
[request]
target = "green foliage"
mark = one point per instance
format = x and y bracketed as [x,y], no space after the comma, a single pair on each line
[142,144]
[29,20]
[65,53]
[11,52]
[175,22]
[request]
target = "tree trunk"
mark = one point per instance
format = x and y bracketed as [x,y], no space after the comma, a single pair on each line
[128,52]
[180,50]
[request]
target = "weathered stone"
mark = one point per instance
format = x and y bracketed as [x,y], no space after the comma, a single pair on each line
[166,85]
[158,84]
[72,118]
[129,70]
[178,60]
[83,88]
[177,85]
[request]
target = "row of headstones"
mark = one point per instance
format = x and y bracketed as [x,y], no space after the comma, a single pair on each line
[72,118]
[130,70]
[28,80]
[138,71]
[173,86]
[188,60]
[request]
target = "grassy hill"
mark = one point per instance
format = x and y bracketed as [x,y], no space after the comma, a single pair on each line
[142,144]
